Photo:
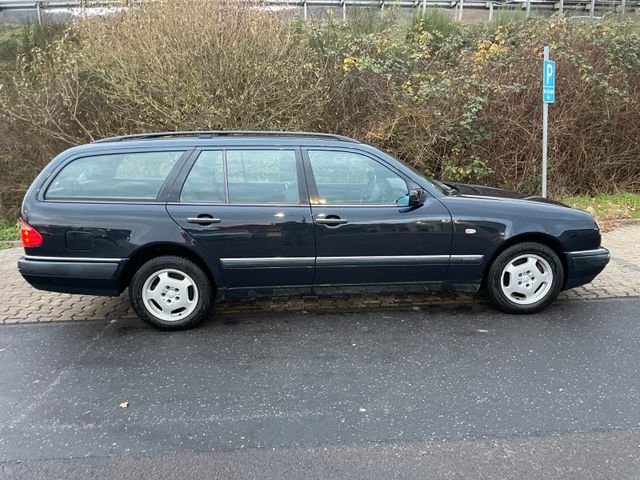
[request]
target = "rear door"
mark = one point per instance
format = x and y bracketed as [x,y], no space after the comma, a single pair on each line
[249,208]
[365,231]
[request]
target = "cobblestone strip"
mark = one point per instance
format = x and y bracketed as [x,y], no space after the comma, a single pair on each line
[621,278]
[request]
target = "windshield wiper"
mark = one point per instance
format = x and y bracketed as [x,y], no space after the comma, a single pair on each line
[447,188]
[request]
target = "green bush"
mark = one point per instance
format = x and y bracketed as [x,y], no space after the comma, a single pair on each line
[9,230]
[455,101]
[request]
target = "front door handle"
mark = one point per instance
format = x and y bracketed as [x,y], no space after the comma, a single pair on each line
[203,220]
[331,220]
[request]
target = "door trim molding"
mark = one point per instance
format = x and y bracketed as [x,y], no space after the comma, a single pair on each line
[268,262]
[349,261]
[374,260]
[467,259]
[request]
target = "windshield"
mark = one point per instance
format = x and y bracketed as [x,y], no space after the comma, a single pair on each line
[441,187]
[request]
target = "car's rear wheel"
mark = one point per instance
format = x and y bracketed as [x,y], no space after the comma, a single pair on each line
[170,293]
[525,278]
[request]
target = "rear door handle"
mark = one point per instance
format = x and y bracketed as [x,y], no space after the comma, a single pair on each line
[331,220]
[203,220]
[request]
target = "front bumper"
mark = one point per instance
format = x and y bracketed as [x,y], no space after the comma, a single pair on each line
[583,266]
[72,275]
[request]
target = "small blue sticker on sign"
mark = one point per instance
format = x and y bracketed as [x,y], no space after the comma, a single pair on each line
[549,81]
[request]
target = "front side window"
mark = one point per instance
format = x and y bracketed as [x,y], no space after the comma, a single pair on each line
[262,176]
[121,176]
[346,178]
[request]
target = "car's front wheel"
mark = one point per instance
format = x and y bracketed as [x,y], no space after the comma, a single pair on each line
[171,293]
[525,278]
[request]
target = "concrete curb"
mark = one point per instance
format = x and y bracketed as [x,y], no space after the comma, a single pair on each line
[10,243]
[629,221]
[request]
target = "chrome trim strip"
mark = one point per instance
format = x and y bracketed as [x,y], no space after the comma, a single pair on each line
[280,262]
[231,204]
[381,260]
[108,202]
[351,205]
[586,253]
[268,262]
[467,259]
[73,259]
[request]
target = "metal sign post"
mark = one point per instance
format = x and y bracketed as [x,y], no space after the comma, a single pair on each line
[460,9]
[548,96]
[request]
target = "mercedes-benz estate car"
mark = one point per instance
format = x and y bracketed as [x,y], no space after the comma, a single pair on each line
[176,217]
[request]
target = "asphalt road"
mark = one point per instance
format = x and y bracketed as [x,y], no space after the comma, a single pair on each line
[450,393]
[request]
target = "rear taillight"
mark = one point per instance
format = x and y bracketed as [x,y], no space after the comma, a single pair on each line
[30,236]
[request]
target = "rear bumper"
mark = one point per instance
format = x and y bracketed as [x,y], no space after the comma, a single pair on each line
[72,275]
[583,266]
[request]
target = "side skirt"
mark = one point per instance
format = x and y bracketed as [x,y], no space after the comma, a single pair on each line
[360,289]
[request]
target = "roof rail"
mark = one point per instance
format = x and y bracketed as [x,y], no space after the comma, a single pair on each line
[224,133]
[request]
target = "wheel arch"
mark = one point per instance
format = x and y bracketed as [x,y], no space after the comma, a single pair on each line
[535,237]
[148,252]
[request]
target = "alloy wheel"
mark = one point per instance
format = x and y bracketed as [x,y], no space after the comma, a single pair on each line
[170,294]
[526,279]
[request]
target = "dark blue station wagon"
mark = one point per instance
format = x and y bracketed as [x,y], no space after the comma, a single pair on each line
[176,217]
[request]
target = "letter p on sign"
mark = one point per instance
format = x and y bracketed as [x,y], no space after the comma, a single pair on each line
[549,81]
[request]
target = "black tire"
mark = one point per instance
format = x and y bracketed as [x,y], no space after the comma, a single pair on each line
[202,285]
[494,277]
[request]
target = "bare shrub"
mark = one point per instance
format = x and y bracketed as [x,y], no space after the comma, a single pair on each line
[201,65]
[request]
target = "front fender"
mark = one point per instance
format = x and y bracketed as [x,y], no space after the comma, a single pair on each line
[485,226]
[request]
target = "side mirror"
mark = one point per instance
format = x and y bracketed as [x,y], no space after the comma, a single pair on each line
[417,197]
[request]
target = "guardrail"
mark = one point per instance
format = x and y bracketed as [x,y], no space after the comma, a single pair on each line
[39,6]
[590,7]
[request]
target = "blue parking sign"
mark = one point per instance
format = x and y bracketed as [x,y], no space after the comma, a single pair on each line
[549,81]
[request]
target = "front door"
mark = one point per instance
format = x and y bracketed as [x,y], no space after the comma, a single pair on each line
[249,209]
[365,231]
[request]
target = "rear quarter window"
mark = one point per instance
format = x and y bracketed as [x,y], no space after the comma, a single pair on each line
[121,176]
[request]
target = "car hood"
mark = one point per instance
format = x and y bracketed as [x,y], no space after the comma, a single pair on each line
[483,191]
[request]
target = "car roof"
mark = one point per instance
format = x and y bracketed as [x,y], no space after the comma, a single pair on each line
[217,142]
[217,134]
[169,140]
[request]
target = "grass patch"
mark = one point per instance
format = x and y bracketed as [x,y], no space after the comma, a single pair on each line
[23,39]
[433,20]
[606,206]
[9,231]
[508,16]
[364,21]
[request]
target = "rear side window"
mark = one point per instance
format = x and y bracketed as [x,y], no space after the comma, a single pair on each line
[262,176]
[122,176]
[205,182]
